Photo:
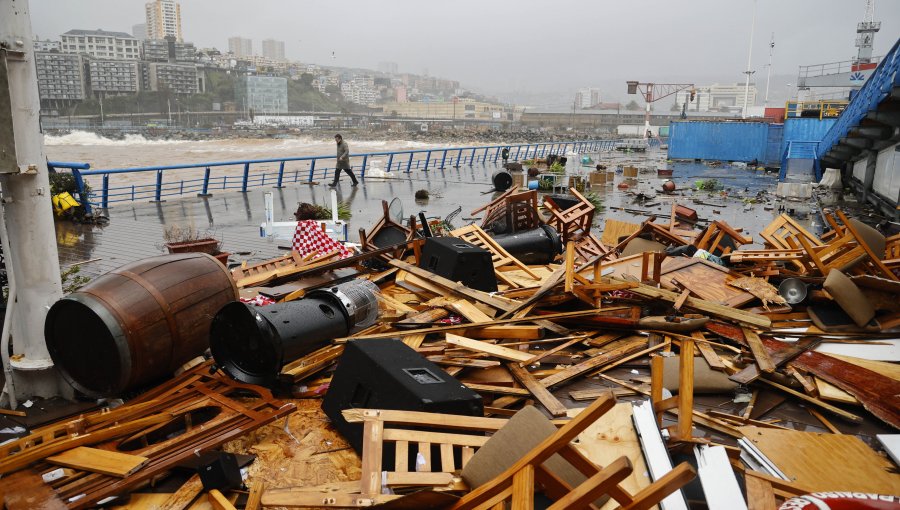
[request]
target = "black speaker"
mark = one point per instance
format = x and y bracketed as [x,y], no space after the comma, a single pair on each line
[388,374]
[219,470]
[459,261]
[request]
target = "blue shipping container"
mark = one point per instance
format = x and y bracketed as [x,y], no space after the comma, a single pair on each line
[726,141]
[799,129]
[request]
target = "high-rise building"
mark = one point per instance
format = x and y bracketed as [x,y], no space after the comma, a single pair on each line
[139,31]
[164,18]
[101,44]
[587,97]
[240,47]
[273,49]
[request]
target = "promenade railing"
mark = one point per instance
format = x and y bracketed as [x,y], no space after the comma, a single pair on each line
[242,175]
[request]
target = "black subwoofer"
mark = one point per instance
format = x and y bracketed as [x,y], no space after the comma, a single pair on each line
[459,261]
[388,374]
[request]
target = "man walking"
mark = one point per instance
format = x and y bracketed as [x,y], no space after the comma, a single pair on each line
[343,161]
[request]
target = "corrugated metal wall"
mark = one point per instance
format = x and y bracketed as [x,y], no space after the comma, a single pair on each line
[727,141]
[800,129]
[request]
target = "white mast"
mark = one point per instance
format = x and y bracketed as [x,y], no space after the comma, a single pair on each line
[769,74]
[748,72]
[33,258]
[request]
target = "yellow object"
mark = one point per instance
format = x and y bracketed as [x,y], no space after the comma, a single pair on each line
[63,202]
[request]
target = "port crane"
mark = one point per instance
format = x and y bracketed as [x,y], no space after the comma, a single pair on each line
[652,92]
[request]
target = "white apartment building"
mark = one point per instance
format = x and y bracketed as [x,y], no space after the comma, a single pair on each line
[360,90]
[101,44]
[716,97]
[587,97]
[164,18]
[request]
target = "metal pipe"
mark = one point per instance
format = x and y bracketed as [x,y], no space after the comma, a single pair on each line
[7,320]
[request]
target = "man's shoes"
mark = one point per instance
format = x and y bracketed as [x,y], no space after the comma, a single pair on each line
[355,184]
[333,184]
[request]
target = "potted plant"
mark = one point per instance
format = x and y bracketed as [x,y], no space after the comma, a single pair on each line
[180,239]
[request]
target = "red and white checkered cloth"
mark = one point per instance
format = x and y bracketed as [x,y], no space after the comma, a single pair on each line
[259,300]
[309,238]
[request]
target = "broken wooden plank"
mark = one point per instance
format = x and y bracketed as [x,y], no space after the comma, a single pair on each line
[812,400]
[880,395]
[495,350]
[99,461]
[537,389]
[759,352]
[457,327]
[715,309]
[779,352]
[626,347]
[185,495]
[218,501]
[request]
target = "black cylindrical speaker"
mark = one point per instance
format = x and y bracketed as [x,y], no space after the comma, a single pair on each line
[539,245]
[502,180]
[252,343]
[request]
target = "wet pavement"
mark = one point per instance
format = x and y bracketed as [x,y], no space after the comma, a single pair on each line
[135,230]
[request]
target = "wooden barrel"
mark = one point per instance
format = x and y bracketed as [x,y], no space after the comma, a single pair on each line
[137,324]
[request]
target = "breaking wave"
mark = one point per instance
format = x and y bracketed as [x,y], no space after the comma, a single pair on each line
[88,138]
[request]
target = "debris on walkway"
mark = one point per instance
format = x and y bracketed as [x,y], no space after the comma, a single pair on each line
[424,371]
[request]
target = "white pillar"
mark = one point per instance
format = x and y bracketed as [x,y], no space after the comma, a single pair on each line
[29,218]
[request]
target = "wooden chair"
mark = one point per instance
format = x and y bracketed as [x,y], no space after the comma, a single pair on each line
[872,263]
[574,221]
[783,232]
[589,248]
[517,211]
[387,232]
[654,232]
[519,482]
[720,239]
[381,427]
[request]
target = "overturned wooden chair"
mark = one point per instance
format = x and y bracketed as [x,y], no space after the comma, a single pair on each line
[719,238]
[512,212]
[574,222]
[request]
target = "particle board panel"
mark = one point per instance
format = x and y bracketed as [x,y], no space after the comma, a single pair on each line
[99,461]
[826,462]
[704,279]
[611,437]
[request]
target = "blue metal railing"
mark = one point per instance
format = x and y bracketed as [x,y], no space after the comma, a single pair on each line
[799,149]
[876,89]
[277,172]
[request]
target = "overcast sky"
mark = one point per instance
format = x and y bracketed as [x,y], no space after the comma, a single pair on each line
[515,47]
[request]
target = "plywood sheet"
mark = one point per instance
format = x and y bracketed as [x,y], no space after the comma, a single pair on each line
[614,229]
[826,462]
[611,437]
[704,279]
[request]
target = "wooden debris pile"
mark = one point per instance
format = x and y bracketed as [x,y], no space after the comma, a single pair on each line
[655,313]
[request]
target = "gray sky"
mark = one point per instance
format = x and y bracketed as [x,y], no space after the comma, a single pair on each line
[524,47]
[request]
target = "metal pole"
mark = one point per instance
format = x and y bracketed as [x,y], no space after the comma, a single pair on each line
[749,60]
[33,258]
[769,73]
[280,175]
